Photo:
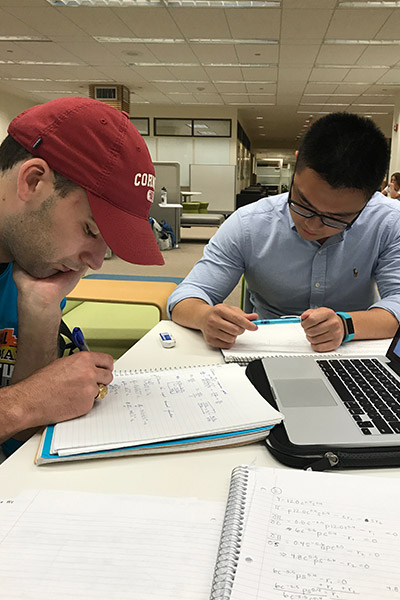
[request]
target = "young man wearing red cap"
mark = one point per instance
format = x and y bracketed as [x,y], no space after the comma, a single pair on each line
[75,176]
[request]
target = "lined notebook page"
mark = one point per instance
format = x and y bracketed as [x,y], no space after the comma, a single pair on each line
[63,545]
[165,405]
[313,536]
[289,338]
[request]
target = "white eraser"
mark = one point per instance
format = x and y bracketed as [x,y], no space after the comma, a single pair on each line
[167,340]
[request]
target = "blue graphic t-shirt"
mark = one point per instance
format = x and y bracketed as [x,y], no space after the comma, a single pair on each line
[9,336]
[8,325]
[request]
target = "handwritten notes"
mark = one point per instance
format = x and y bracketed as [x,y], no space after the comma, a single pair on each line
[318,536]
[90,546]
[149,407]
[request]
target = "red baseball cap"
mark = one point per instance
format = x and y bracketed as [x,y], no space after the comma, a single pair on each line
[98,148]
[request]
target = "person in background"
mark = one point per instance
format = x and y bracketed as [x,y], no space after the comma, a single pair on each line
[75,176]
[392,190]
[323,248]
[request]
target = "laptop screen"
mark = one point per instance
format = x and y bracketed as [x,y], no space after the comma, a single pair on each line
[393,353]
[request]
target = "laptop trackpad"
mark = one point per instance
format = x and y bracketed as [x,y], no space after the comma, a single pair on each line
[303,392]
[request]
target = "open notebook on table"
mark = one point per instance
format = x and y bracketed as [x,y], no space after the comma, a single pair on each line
[286,534]
[289,339]
[166,410]
[308,535]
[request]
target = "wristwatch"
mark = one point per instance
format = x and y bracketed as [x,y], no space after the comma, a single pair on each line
[348,326]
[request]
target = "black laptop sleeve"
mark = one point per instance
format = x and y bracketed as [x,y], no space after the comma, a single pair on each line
[317,458]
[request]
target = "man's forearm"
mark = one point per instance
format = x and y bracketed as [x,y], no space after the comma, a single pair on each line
[37,341]
[190,312]
[373,324]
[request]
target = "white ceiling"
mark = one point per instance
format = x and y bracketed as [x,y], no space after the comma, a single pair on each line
[303,74]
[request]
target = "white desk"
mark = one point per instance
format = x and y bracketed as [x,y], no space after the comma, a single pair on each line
[187,196]
[204,474]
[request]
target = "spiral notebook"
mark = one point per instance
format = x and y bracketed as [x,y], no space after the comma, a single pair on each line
[165,410]
[303,534]
[288,339]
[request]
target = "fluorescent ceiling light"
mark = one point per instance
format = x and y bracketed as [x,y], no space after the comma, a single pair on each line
[232,41]
[163,64]
[251,103]
[331,94]
[52,92]
[247,93]
[167,3]
[48,63]
[371,4]
[363,42]
[23,79]
[259,117]
[380,105]
[177,81]
[324,103]
[239,65]
[317,66]
[24,38]
[131,40]
[243,81]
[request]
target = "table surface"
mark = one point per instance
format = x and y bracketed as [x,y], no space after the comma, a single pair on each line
[191,193]
[204,474]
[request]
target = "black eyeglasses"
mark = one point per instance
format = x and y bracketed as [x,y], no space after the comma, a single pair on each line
[303,211]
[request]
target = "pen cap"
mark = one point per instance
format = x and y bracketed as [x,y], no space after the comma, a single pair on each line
[97,147]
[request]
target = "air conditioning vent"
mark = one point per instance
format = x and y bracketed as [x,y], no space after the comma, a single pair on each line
[105,93]
[117,95]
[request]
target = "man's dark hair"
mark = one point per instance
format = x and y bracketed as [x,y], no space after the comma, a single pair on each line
[11,153]
[347,151]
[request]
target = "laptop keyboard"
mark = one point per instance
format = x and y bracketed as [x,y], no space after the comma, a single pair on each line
[370,393]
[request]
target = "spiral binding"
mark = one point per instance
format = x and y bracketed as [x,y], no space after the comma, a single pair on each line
[231,536]
[131,372]
[243,361]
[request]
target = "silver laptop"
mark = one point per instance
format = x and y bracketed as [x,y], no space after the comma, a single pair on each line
[351,401]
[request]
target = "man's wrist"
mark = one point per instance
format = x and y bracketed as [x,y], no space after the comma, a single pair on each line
[347,325]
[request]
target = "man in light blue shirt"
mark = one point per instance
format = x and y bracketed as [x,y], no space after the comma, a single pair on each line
[324,248]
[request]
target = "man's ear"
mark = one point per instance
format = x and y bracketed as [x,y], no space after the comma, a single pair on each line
[35,181]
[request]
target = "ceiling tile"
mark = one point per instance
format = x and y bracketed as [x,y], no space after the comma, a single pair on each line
[94,21]
[258,99]
[392,76]
[148,22]
[208,98]
[294,74]
[173,53]
[170,87]
[288,99]
[391,25]
[305,24]
[150,73]
[49,21]
[367,75]
[10,25]
[356,23]
[224,73]
[235,99]
[328,74]
[296,54]
[263,23]
[122,74]
[91,53]
[351,88]
[204,88]
[320,88]
[380,55]
[260,73]
[339,55]
[187,73]
[211,53]
[201,22]
[261,87]
[231,87]
[257,53]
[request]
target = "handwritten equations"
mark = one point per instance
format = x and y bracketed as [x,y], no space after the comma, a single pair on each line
[317,536]
[155,406]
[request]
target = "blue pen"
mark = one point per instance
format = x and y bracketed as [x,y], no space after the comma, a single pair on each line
[80,343]
[79,339]
[277,321]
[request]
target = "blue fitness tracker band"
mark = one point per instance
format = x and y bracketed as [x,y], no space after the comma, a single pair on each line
[348,326]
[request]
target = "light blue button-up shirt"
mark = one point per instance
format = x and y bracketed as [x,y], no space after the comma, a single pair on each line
[286,274]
